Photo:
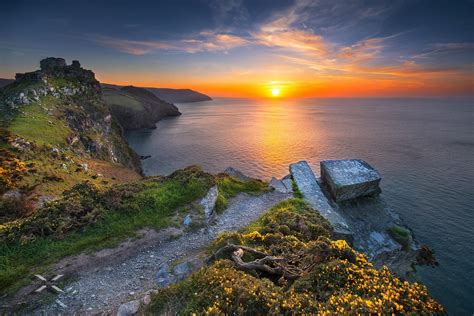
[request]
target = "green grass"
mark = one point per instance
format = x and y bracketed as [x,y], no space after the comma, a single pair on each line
[296,191]
[401,235]
[34,124]
[115,97]
[152,207]
[120,212]
[229,187]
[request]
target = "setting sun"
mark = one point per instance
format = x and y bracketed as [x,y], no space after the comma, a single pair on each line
[275,92]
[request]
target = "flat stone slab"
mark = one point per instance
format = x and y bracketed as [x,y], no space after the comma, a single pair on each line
[349,179]
[312,193]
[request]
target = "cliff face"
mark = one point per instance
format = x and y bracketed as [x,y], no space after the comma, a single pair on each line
[55,124]
[136,108]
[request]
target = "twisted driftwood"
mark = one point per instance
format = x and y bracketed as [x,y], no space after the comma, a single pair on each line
[265,263]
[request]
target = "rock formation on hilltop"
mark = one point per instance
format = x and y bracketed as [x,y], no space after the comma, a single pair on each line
[136,108]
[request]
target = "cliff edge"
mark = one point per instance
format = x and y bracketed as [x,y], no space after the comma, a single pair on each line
[136,108]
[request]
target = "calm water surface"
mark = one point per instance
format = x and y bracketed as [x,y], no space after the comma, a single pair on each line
[423,148]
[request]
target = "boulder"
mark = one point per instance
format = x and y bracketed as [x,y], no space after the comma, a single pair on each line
[278,185]
[163,277]
[236,174]
[312,193]
[349,179]
[182,270]
[129,308]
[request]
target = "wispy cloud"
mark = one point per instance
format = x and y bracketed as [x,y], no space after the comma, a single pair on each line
[443,48]
[130,46]
[204,41]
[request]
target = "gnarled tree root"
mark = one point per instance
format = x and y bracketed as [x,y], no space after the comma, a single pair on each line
[264,263]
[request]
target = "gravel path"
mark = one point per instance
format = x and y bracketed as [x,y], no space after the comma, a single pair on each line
[103,289]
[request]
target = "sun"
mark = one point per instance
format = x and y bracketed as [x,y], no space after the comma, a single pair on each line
[275,92]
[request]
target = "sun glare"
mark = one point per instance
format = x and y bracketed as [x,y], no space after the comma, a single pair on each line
[275,92]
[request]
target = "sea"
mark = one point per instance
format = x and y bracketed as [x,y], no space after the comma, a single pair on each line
[423,148]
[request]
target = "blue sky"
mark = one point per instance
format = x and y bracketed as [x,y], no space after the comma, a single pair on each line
[229,46]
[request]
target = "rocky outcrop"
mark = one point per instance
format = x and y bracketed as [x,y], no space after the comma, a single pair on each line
[53,67]
[136,108]
[237,174]
[76,102]
[373,227]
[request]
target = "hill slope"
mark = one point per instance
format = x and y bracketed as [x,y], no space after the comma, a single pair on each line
[136,107]
[55,132]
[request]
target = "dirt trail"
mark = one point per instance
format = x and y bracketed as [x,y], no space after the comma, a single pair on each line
[109,283]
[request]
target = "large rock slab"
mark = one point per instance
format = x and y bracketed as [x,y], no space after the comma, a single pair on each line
[349,179]
[312,193]
[209,201]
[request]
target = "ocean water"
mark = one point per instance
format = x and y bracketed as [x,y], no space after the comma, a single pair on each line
[423,148]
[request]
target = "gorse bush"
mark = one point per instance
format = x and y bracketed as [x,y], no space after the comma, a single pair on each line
[305,273]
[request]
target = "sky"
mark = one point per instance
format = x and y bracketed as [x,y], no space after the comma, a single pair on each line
[249,48]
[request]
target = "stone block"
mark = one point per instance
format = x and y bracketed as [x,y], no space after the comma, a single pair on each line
[349,179]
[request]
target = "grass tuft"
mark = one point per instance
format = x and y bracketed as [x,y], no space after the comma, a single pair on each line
[229,187]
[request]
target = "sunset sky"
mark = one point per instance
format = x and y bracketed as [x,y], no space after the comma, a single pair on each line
[304,48]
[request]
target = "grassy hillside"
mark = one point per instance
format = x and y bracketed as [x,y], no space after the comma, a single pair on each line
[55,131]
[285,264]
[88,217]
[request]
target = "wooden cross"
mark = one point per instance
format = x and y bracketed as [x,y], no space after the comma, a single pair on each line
[49,284]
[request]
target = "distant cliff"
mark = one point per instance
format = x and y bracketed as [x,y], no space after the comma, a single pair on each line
[136,108]
[179,95]
[4,82]
[173,95]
